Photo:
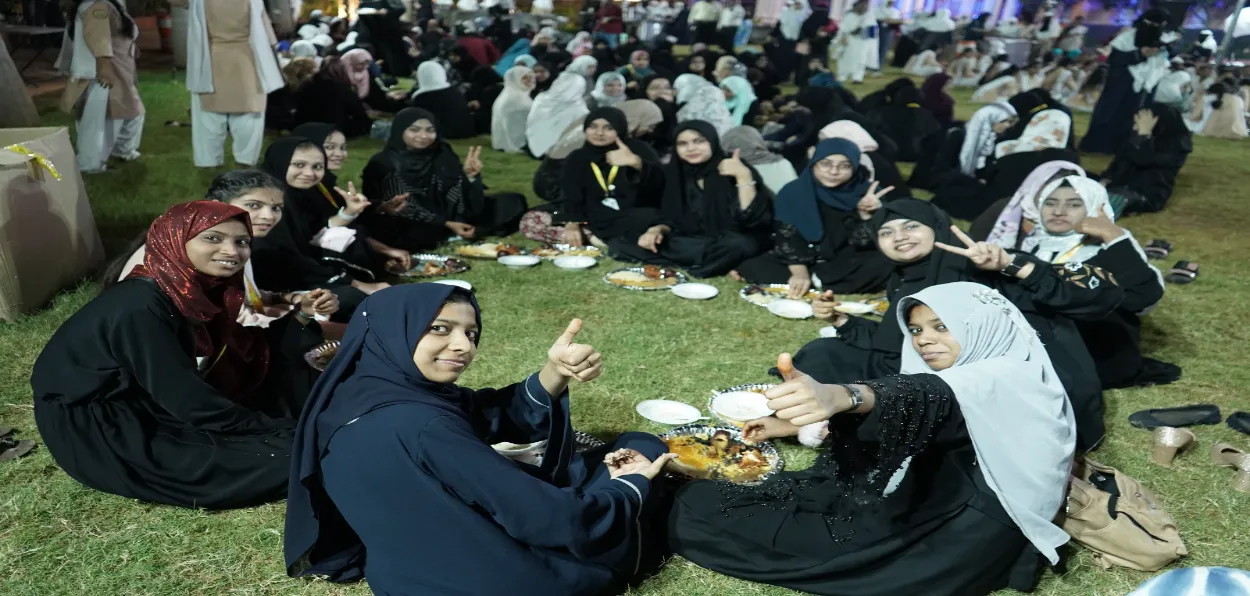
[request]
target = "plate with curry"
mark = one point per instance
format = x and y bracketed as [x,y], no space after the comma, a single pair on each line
[567,250]
[719,453]
[431,265]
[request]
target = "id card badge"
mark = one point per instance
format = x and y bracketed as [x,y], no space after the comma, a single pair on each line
[611,203]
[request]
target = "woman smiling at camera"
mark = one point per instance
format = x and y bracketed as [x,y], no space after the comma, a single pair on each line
[154,390]
[940,480]
[714,214]
[926,250]
[819,227]
[395,479]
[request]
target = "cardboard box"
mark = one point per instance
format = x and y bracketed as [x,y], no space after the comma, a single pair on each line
[48,237]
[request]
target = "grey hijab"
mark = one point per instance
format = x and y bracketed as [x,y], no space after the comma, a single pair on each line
[1012,401]
[751,143]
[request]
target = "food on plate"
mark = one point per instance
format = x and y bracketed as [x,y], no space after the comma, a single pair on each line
[585,251]
[485,250]
[564,250]
[717,457]
[656,272]
[547,252]
[503,250]
[642,280]
[765,295]
[439,266]
[320,357]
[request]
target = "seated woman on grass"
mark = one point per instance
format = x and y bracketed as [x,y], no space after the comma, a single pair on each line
[942,479]
[820,228]
[395,480]
[715,212]
[424,192]
[154,390]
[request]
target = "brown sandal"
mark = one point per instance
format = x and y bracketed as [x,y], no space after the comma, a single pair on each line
[1168,442]
[1227,456]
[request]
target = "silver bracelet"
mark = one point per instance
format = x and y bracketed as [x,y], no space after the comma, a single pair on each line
[857,398]
[345,215]
[747,185]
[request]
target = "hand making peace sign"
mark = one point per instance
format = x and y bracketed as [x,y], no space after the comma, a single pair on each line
[986,256]
[473,162]
[872,200]
[356,202]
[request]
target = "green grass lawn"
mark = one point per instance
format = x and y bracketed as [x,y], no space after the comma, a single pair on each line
[57,537]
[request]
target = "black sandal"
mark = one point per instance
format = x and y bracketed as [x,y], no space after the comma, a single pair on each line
[1183,272]
[1181,416]
[1158,249]
[11,449]
[1240,422]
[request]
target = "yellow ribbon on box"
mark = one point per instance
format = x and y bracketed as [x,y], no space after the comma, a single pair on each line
[36,159]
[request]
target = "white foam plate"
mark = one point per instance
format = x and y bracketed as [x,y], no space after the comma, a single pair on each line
[518,448]
[574,262]
[695,291]
[459,283]
[666,411]
[853,308]
[791,309]
[519,261]
[741,405]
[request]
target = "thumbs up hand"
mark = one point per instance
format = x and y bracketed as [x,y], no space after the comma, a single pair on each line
[800,399]
[573,360]
[623,157]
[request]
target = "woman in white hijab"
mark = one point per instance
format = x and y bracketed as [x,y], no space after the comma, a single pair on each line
[699,99]
[609,91]
[1077,225]
[553,110]
[978,410]
[431,76]
[511,110]
[981,133]
[579,45]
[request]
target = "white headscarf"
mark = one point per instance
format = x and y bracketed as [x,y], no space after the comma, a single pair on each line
[430,77]
[581,65]
[581,39]
[553,110]
[1023,204]
[940,22]
[1049,129]
[511,111]
[979,135]
[1208,42]
[1147,73]
[701,100]
[1175,89]
[1012,401]
[602,99]
[791,21]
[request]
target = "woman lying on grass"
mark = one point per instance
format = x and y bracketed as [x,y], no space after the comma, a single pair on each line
[155,391]
[394,478]
[941,480]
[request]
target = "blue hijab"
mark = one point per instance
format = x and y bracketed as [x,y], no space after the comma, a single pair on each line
[372,369]
[519,48]
[798,202]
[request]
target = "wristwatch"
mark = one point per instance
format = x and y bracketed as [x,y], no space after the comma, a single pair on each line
[857,398]
[1013,267]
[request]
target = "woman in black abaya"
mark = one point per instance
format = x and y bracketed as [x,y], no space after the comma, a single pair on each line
[421,190]
[716,210]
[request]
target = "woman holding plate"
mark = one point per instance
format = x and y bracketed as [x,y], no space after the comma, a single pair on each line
[393,465]
[941,480]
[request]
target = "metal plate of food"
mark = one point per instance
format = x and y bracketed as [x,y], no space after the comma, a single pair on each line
[585,441]
[567,250]
[320,356]
[759,388]
[645,278]
[487,250]
[718,453]
[765,294]
[431,265]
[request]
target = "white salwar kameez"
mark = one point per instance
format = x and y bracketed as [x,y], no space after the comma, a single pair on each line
[856,51]
[209,129]
[98,136]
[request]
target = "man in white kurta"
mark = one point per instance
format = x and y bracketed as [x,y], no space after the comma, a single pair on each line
[231,69]
[856,44]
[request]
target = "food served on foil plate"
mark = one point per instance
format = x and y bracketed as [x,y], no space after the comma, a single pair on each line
[763,295]
[565,250]
[651,276]
[717,456]
[488,250]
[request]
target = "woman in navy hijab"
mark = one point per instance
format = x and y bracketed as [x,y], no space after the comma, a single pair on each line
[394,479]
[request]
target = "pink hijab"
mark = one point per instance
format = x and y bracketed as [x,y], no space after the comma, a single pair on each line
[353,60]
[846,129]
[1023,204]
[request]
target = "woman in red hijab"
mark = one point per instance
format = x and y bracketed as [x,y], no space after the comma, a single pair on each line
[154,391]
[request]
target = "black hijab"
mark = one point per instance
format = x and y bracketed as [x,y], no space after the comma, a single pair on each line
[712,209]
[578,162]
[373,369]
[466,63]
[938,267]
[318,132]
[418,167]
[302,207]
[798,203]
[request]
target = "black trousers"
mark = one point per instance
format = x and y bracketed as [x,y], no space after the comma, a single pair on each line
[725,38]
[702,256]
[705,32]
